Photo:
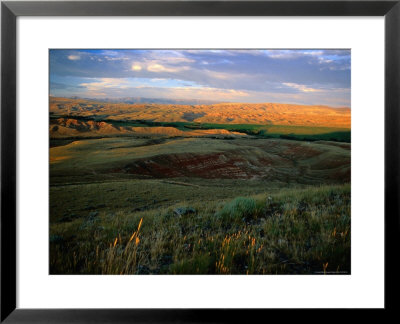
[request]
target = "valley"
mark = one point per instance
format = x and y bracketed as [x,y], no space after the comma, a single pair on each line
[197,195]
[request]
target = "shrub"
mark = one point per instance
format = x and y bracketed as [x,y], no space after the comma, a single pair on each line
[239,209]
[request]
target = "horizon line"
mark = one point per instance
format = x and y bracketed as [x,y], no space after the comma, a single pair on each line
[194,99]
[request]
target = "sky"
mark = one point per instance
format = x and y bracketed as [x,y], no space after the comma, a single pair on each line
[310,77]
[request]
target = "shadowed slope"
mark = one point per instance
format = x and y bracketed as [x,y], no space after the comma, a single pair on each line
[273,160]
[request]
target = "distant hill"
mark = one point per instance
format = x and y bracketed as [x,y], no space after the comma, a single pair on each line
[164,101]
[68,127]
[221,113]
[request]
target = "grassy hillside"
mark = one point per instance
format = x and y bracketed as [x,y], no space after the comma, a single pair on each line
[223,113]
[64,127]
[207,206]
[304,231]
[73,118]
[205,189]
[268,160]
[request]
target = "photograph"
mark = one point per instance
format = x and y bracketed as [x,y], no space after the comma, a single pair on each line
[199,161]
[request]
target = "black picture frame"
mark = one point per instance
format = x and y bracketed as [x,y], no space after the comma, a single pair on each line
[10,10]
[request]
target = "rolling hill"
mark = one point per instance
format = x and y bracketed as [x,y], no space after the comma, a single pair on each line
[222,113]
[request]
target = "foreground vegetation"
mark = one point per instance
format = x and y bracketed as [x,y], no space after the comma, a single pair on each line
[286,231]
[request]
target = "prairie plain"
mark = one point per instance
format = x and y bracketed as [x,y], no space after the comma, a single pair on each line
[198,189]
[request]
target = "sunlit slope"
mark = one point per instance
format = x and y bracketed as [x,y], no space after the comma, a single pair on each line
[261,159]
[223,113]
[69,127]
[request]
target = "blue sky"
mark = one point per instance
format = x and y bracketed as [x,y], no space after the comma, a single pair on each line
[313,77]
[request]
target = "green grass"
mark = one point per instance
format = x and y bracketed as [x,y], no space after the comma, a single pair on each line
[291,215]
[240,209]
[301,231]
[302,133]
[293,132]
[96,160]
[79,199]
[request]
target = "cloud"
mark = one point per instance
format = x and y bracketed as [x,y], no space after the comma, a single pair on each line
[156,67]
[301,87]
[104,83]
[219,75]
[60,86]
[303,75]
[136,67]
[74,57]
[174,59]
[178,89]
[189,93]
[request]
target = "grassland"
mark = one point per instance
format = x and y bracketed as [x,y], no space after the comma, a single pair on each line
[268,160]
[222,113]
[191,129]
[80,118]
[199,189]
[204,205]
[287,231]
